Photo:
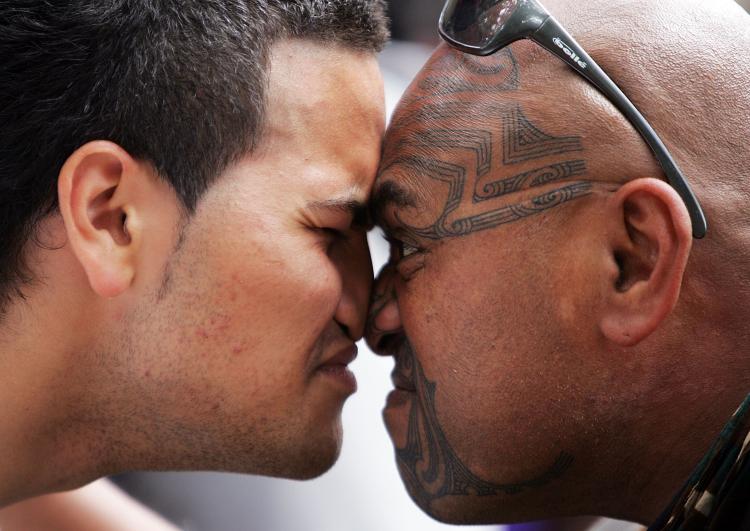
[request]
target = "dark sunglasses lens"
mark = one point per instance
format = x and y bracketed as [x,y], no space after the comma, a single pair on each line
[476,22]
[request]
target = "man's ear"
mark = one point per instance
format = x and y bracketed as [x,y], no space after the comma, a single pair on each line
[649,243]
[95,192]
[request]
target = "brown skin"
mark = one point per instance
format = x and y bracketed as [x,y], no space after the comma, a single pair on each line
[208,342]
[577,358]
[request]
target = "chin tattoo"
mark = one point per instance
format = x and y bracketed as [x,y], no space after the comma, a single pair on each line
[428,463]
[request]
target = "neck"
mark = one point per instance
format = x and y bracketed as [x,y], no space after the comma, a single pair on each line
[693,394]
[48,440]
[676,451]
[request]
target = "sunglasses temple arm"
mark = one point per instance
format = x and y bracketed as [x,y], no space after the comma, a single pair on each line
[552,36]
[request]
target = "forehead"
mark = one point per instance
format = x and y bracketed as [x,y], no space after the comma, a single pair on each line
[453,100]
[325,113]
[478,141]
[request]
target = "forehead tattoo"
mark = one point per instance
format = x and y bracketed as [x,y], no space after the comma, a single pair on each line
[550,168]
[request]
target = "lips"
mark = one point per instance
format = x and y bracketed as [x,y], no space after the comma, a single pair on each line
[334,370]
[341,358]
[401,381]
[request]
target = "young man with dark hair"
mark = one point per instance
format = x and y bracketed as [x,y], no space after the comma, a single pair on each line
[184,270]
[563,345]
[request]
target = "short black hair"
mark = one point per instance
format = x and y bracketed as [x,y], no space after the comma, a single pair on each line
[177,83]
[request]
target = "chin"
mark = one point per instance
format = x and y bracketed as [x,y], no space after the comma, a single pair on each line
[316,463]
[459,510]
[314,457]
[464,510]
[432,508]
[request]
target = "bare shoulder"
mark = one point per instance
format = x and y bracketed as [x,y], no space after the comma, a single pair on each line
[99,506]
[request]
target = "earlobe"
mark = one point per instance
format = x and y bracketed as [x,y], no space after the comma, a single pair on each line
[96,215]
[649,244]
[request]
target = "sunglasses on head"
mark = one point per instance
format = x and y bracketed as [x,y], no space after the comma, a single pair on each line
[482,27]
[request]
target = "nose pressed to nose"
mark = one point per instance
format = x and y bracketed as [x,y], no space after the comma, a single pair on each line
[384,318]
[350,316]
[355,268]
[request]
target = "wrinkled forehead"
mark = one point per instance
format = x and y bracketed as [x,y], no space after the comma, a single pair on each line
[465,117]
[499,126]
[443,101]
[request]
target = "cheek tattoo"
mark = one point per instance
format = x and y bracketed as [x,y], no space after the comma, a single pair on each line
[429,464]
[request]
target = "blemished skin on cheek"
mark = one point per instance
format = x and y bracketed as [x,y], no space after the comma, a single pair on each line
[268,290]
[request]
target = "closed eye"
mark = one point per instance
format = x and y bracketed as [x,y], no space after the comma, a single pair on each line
[334,233]
[329,237]
[401,250]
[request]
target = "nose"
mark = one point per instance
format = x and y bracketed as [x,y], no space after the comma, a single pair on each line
[355,268]
[384,319]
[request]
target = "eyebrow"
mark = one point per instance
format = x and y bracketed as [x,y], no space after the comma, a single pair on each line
[358,210]
[389,193]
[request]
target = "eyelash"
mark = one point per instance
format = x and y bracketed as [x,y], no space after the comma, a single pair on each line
[331,237]
[403,247]
[405,252]
[333,233]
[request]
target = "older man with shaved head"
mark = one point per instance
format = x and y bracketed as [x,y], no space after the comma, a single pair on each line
[563,344]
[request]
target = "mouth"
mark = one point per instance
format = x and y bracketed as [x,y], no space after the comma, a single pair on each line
[401,382]
[335,369]
[403,372]
[343,357]
[404,388]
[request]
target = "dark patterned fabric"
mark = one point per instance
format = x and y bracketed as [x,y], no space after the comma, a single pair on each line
[717,495]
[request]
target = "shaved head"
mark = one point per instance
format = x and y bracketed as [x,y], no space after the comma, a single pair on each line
[550,314]
[695,94]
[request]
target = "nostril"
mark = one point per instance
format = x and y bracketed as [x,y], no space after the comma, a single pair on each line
[345,329]
[388,344]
